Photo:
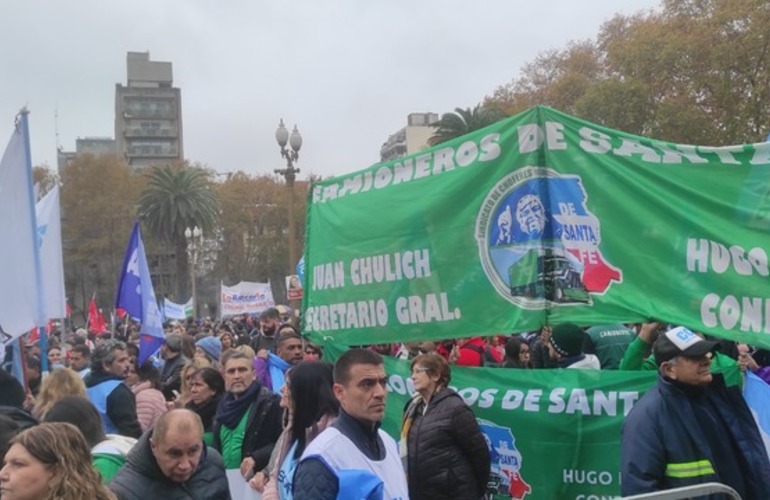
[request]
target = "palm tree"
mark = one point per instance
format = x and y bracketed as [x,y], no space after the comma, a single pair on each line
[463,121]
[178,197]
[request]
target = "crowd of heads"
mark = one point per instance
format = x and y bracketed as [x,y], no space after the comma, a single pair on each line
[217,358]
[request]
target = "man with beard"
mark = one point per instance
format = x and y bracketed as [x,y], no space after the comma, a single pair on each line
[271,368]
[269,321]
[248,420]
[107,392]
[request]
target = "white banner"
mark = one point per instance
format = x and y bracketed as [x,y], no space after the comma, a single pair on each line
[245,298]
[172,310]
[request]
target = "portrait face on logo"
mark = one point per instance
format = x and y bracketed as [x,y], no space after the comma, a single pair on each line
[530,214]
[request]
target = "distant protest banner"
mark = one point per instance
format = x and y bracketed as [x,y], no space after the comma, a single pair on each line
[172,310]
[245,298]
[539,219]
[551,433]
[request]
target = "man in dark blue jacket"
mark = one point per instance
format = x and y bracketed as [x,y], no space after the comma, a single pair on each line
[690,428]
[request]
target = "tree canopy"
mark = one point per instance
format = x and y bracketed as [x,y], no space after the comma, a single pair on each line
[178,197]
[696,71]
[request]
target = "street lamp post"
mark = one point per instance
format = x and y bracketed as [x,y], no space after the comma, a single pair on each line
[194,239]
[289,173]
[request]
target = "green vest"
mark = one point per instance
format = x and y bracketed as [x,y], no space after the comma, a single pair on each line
[232,441]
[107,465]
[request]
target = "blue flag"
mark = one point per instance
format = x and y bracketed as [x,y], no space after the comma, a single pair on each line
[137,297]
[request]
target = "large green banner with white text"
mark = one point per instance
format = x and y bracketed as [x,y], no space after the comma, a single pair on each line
[539,219]
[551,433]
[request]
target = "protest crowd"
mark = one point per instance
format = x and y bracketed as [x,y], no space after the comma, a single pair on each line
[252,395]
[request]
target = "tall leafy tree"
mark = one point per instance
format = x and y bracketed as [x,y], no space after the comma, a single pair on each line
[178,197]
[98,202]
[694,71]
[44,178]
[253,224]
[463,121]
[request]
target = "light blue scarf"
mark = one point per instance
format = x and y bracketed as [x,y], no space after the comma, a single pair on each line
[277,368]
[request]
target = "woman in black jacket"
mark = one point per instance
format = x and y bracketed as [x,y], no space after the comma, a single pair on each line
[445,454]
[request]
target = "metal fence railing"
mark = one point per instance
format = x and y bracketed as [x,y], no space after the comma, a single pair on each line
[685,492]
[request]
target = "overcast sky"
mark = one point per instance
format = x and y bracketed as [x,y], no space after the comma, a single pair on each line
[347,72]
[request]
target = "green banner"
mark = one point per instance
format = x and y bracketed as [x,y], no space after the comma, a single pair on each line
[552,433]
[539,219]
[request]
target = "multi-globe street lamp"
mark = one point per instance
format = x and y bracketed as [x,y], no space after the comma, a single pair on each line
[194,237]
[294,140]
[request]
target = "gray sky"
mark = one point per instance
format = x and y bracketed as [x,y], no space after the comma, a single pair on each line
[347,72]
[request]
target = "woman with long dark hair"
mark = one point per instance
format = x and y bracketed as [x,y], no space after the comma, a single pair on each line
[517,354]
[206,389]
[312,407]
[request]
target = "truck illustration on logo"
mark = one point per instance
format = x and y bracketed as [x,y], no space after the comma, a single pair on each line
[548,273]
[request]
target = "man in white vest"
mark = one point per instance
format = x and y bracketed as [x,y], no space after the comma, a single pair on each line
[354,458]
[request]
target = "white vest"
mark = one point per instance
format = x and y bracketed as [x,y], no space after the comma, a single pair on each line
[340,453]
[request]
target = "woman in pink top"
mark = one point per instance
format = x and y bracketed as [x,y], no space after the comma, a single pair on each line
[150,402]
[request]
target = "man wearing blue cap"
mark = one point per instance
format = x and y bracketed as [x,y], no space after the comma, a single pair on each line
[690,428]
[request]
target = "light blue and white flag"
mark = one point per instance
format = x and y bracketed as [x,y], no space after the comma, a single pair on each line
[51,262]
[20,302]
[756,392]
[172,310]
[137,296]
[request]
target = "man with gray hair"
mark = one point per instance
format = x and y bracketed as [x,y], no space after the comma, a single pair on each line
[172,461]
[107,392]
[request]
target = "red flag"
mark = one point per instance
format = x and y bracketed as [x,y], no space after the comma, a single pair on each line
[102,325]
[95,323]
[34,336]
[121,312]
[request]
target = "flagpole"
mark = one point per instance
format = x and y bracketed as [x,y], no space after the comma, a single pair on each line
[88,316]
[24,114]
[125,328]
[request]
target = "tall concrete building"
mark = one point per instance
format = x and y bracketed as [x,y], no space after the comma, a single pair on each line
[148,113]
[410,139]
